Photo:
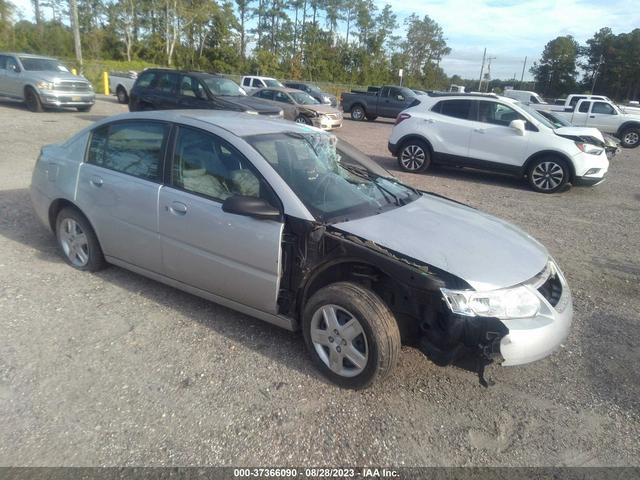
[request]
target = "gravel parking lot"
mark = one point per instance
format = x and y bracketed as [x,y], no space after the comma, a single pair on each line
[115,369]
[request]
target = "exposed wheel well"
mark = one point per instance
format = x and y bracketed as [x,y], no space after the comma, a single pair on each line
[27,88]
[357,104]
[561,156]
[56,207]
[625,126]
[370,277]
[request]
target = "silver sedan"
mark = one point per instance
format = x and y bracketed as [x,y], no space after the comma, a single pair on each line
[285,223]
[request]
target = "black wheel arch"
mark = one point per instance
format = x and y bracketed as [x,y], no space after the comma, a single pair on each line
[413,136]
[358,104]
[61,203]
[550,153]
[625,126]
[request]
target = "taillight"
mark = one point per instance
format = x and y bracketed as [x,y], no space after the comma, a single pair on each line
[402,117]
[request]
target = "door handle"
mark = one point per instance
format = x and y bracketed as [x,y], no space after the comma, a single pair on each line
[96,181]
[592,116]
[177,208]
[479,130]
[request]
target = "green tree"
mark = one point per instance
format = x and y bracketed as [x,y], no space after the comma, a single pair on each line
[556,72]
[423,49]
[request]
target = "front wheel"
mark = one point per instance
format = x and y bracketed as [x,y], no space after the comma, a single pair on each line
[121,93]
[78,241]
[630,138]
[548,174]
[414,156]
[32,99]
[303,120]
[358,113]
[351,335]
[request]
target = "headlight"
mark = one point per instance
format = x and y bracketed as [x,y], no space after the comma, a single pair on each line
[45,85]
[588,148]
[251,112]
[516,302]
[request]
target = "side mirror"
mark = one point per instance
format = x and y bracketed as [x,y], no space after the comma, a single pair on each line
[251,207]
[15,68]
[519,126]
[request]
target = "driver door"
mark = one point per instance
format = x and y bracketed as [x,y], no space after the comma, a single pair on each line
[603,116]
[232,256]
[192,93]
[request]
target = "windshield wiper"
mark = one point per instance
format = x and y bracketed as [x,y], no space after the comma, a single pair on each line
[366,174]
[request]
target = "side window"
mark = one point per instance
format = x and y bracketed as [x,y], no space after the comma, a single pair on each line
[12,64]
[603,108]
[166,82]
[396,94]
[206,165]
[191,87]
[134,148]
[266,94]
[145,79]
[456,108]
[3,62]
[533,99]
[384,92]
[257,83]
[574,100]
[584,107]
[246,82]
[282,97]
[496,113]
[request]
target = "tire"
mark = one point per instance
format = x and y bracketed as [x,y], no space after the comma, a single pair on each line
[78,242]
[374,335]
[303,120]
[358,113]
[414,156]
[630,137]
[371,118]
[548,174]
[32,99]
[84,109]
[121,93]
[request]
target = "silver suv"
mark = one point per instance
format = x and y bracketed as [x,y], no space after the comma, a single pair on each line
[286,223]
[43,82]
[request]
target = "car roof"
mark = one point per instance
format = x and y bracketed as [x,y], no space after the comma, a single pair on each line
[282,89]
[28,55]
[184,72]
[238,123]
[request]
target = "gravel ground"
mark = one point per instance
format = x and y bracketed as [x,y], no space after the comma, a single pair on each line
[115,369]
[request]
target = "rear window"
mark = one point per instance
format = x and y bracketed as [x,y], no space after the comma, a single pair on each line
[584,107]
[454,108]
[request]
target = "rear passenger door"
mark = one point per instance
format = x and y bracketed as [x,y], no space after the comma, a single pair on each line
[580,116]
[231,256]
[449,130]
[118,189]
[164,94]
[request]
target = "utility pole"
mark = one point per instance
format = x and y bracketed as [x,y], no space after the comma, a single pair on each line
[523,67]
[488,74]
[595,75]
[76,31]
[484,56]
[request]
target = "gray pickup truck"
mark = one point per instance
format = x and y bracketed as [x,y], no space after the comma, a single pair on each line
[387,101]
[43,82]
[121,84]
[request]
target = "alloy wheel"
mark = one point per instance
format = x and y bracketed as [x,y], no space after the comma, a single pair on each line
[631,138]
[74,242]
[357,113]
[413,157]
[547,175]
[339,340]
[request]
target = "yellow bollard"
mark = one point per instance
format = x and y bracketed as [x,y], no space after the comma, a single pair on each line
[105,82]
[74,71]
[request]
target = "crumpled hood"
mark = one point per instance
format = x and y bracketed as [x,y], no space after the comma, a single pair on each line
[248,102]
[321,108]
[580,132]
[482,250]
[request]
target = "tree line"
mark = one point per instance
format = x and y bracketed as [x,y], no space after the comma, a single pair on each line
[610,65]
[342,41]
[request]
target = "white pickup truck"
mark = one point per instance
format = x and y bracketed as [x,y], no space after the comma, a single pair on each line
[605,116]
[121,84]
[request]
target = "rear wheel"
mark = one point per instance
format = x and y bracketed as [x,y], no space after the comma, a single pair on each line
[630,137]
[358,113]
[548,174]
[351,335]
[414,156]
[32,99]
[121,93]
[78,241]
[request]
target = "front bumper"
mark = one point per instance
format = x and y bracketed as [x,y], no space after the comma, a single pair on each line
[327,123]
[393,148]
[67,99]
[530,339]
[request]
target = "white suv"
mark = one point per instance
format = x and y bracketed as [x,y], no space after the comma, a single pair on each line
[489,132]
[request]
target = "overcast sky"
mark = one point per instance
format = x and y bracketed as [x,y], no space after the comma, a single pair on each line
[510,29]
